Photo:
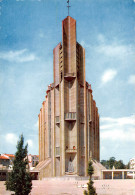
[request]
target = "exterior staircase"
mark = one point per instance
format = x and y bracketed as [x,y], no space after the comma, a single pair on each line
[98,167]
[44,167]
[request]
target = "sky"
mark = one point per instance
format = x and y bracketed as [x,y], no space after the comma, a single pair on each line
[30,29]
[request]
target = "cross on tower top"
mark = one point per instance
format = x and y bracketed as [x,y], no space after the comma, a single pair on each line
[68,6]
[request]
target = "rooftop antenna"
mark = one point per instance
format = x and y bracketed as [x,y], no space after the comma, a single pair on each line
[68,6]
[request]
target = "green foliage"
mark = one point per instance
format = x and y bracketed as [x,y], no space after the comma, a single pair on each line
[90,169]
[127,166]
[104,162]
[91,189]
[119,165]
[112,162]
[19,180]
[36,164]
[85,192]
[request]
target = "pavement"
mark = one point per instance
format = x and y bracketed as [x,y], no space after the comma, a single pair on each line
[73,187]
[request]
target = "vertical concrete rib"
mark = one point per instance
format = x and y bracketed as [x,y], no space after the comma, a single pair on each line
[43,127]
[39,137]
[85,122]
[53,131]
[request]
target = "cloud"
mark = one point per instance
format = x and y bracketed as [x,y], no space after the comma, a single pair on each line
[18,56]
[131,79]
[119,134]
[112,49]
[108,75]
[121,121]
[11,138]
[30,143]
[120,129]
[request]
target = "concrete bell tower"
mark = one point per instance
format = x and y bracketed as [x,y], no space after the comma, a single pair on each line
[68,119]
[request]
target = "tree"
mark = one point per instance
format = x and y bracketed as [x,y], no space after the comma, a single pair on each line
[111,162]
[119,165]
[19,180]
[105,163]
[91,189]
[127,166]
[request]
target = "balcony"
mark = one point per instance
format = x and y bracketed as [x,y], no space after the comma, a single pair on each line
[70,116]
[69,76]
[57,119]
[71,151]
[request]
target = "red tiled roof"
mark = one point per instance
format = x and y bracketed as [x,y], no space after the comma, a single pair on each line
[11,155]
[4,157]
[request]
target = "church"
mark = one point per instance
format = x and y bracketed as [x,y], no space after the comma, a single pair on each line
[68,120]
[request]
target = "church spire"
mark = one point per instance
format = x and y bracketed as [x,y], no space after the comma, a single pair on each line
[68,6]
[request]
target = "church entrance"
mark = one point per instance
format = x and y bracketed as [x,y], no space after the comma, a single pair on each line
[70,166]
[70,163]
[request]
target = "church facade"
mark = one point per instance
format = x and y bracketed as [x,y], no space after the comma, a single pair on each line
[68,120]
